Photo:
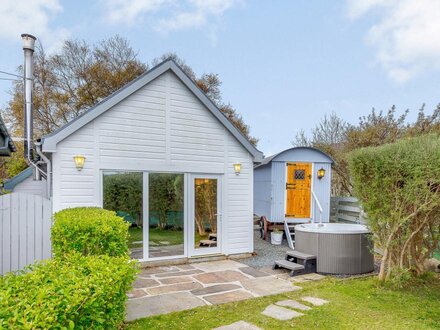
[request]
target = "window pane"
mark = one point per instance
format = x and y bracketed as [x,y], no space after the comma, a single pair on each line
[122,193]
[166,220]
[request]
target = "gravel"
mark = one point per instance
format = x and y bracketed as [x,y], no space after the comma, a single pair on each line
[266,253]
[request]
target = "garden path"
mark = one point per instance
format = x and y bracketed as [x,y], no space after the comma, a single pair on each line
[161,290]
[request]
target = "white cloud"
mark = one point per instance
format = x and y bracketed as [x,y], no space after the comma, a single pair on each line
[406,34]
[34,17]
[167,15]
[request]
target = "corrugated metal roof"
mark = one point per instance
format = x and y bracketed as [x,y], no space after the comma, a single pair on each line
[267,160]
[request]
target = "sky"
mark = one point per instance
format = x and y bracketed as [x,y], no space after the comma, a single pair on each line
[284,64]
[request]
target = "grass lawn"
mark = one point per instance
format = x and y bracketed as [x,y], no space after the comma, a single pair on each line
[156,236]
[354,304]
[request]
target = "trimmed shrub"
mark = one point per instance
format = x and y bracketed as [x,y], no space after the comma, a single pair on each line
[89,231]
[81,292]
[399,187]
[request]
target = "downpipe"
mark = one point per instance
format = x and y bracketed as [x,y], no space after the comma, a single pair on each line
[48,169]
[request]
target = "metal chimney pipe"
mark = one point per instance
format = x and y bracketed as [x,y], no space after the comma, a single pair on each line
[28,48]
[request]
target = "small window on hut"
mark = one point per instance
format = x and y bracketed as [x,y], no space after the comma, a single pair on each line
[299,174]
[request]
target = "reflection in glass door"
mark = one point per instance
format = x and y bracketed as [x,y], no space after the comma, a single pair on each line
[206,214]
[166,215]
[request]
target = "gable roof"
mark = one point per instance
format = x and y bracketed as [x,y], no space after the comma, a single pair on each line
[20,177]
[269,159]
[8,146]
[50,141]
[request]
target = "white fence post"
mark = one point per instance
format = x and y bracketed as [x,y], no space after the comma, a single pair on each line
[25,222]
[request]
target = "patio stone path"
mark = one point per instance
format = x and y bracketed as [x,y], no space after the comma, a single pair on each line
[161,304]
[240,325]
[145,283]
[227,297]
[280,313]
[162,290]
[223,276]
[253,272]
[293,304]
[315,301]
[265,287]
[174,288]
[215,289]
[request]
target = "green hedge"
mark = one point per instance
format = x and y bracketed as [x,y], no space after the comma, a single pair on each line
[76,291]
[90,231]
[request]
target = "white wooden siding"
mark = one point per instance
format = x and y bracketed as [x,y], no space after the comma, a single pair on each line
[162,127]
[263,190]
[31,186]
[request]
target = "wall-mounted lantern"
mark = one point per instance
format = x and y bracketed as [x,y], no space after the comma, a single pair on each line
[237,168]
[79,161]
[321,173]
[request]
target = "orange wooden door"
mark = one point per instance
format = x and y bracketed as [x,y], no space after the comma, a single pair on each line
[298,192]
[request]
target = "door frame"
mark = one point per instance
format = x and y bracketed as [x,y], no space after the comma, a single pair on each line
[286,173]
[190,223]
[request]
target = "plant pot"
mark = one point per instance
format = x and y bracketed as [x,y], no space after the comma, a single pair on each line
[276,237]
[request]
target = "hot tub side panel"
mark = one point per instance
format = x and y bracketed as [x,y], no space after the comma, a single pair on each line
[339,254]
[306,242]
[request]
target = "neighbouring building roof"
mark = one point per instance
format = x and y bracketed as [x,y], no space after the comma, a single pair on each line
[20,177]
[267,160]
[7,145]
[50,141]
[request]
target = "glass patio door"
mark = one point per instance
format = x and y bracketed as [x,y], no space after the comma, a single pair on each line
[205,215]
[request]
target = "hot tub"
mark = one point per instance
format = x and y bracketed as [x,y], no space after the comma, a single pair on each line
[339,248]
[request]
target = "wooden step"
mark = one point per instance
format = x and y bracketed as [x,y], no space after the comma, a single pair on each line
[300,255]
[288,265]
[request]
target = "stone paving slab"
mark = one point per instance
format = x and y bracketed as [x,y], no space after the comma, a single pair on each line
[136,293]
[240,325]
[221,277]
[217,266]
[280,313]
[264,287]
[176,279]
[253,272]
[215,289]
[162,304]
[293,304]
[158,270]
[184,273]
[315,301]
[174,288]
[223,298]
[145,283]
[186,267]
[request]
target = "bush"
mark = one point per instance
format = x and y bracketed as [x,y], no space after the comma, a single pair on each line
[90,231]
[399,187]
[75,291]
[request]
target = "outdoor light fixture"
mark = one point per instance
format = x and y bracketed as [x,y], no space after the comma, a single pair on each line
[79,161]
[321,173]
[237,168]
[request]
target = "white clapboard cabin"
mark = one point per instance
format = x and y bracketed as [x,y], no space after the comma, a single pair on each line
[159,130]
[294,186]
